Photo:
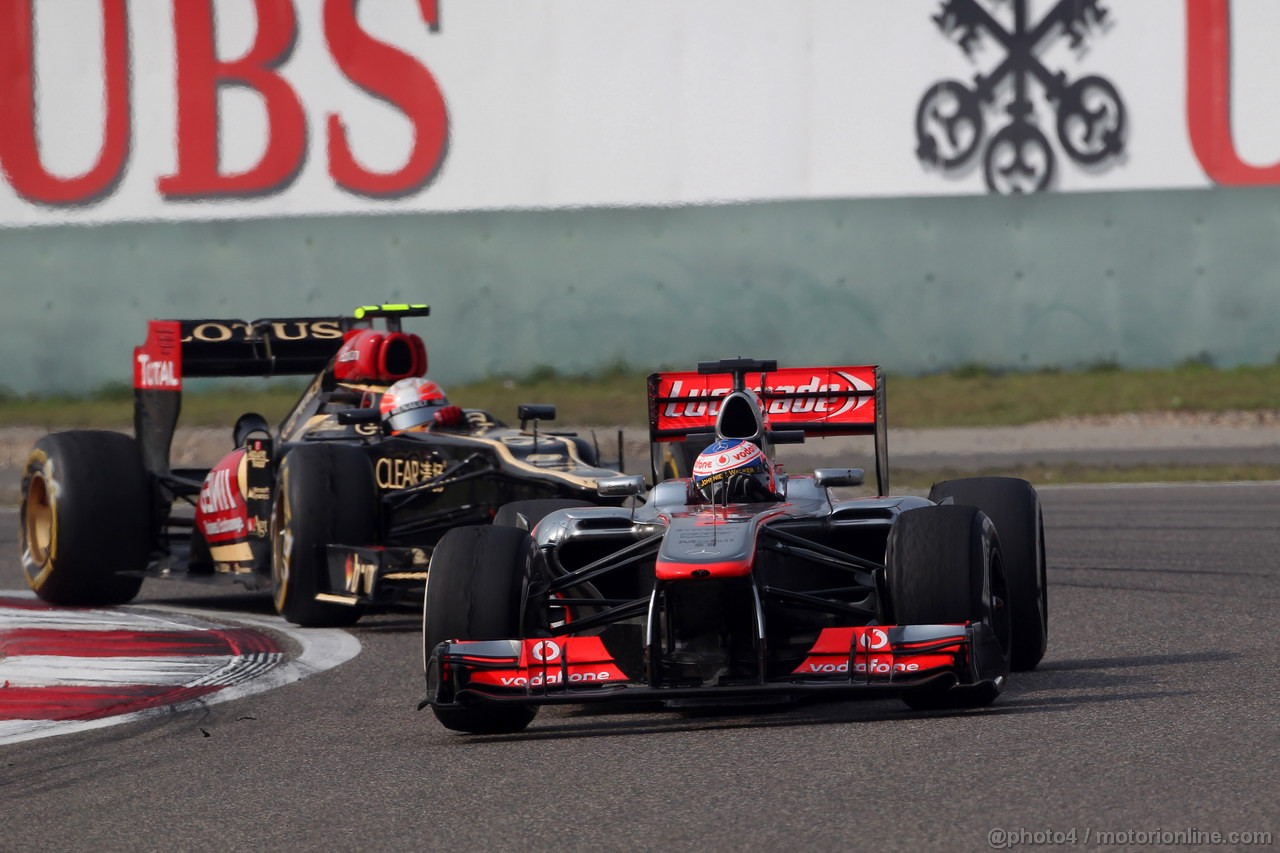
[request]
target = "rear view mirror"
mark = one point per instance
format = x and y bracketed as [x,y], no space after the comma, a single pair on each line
[359,416]
[620,487]
[786,436]
[837,477]
[246,425]
[534,412]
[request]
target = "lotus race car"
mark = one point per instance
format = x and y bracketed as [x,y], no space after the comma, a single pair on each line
[332,512]
[727,587]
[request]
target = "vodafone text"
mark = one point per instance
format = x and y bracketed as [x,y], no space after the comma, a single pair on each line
[875,666]
[554,678]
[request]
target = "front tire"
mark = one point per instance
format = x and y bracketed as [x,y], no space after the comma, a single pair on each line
[85,517]
[1014,507]
[944,566]
[476,588]
[325,495]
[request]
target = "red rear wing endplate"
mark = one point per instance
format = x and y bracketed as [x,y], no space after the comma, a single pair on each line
[820,401]
[179,349]
[276,346]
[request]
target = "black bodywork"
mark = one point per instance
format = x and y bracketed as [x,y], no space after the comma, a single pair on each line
[427,482]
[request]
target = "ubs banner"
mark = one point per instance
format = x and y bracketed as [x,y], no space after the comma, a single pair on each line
[146,110]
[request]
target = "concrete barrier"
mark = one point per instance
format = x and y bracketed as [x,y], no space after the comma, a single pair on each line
[1140,278]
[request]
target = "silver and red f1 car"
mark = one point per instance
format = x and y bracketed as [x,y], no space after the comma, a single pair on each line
[778,593]
[333,512]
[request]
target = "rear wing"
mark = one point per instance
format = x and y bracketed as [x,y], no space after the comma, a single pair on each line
[818,401]
[176,350]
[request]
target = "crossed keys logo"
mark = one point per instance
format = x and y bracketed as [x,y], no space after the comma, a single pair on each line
[1090,115]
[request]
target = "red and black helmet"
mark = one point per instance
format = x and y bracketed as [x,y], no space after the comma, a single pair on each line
[411,403]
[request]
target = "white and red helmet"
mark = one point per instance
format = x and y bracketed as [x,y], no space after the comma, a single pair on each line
[411,403]
[733,470]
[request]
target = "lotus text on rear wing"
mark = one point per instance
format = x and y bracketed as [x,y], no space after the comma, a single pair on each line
[281,330]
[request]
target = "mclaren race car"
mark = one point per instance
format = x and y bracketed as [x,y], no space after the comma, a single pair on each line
[334,511]
[741,583]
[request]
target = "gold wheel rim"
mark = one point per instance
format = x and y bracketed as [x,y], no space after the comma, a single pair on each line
[39,521]
[281,546]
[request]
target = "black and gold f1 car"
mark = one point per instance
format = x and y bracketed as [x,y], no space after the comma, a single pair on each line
[741,583]
[330,511]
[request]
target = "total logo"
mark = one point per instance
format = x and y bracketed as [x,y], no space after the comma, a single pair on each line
[158,373]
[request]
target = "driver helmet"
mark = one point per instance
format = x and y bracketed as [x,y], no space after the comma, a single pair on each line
[733,470]
[411,404]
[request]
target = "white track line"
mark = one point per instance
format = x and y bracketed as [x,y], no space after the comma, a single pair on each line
[321,649]
[63,671]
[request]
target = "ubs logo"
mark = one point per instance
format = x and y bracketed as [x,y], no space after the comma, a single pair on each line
[1090,116]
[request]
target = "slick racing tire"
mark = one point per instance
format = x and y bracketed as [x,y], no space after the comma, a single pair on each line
[526,514]
[85,517]
[1014,507]
[325,495]
[944,566]
[476,587]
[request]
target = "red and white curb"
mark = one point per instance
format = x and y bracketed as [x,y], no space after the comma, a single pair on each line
[64,670]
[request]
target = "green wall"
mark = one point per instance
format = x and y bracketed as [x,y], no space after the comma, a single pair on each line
[1145,278]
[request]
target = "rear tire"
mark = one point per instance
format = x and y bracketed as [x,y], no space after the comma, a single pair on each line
[476,589]
[526,514]
[85,516]
[325,495]
[1014,507]
[944,566]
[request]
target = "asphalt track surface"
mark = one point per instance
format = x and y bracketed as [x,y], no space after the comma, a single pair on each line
[1155,709]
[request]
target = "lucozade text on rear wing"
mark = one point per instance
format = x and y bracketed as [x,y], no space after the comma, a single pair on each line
[818,401]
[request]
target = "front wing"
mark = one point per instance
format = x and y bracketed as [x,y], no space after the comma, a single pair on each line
[842,661]
[373,575]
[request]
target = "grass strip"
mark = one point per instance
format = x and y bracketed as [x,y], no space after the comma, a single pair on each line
[969,396]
